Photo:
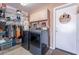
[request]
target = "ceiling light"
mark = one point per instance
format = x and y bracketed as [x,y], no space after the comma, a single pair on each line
[24,4]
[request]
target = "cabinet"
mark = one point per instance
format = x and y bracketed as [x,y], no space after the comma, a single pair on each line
[40,15]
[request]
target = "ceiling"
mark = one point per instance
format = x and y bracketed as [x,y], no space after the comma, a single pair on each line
[29,7]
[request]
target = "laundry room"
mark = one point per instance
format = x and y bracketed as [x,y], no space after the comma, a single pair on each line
[39,29]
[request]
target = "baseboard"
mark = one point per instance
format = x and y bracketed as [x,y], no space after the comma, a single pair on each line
[52,48]
[66,51]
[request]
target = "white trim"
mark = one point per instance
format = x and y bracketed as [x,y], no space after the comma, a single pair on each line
[63,6]
[51,48]
[54,29]
[54,22]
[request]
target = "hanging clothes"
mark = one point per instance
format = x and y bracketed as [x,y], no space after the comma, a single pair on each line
[18,32]
[21,31]
[1,30]
[9,31]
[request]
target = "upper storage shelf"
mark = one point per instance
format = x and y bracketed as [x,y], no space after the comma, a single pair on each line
[41,15]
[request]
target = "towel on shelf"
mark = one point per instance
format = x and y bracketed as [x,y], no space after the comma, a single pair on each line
[2,41]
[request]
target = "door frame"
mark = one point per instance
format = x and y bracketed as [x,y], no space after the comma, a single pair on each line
[54,21]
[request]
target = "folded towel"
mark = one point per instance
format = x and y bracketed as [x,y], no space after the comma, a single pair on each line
[2,41]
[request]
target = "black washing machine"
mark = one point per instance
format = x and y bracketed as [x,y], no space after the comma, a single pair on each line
[36,46]
[26,40]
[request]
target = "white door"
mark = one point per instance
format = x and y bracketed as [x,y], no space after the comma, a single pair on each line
[66,28]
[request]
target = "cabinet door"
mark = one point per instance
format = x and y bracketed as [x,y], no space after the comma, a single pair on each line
[33,17]
[40,15]
[43,15]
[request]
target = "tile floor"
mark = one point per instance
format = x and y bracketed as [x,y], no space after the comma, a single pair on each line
[18,50]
